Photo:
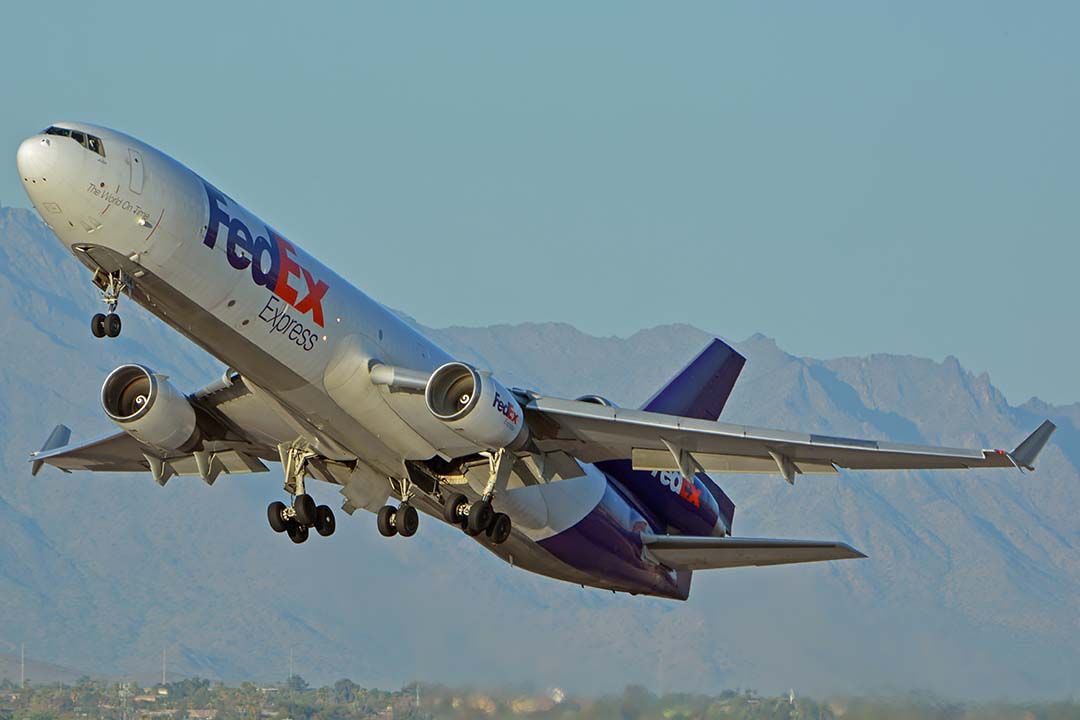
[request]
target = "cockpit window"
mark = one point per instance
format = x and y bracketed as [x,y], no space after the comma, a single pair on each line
[91,143]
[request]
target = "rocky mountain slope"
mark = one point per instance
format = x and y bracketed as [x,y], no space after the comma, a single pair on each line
[972,586]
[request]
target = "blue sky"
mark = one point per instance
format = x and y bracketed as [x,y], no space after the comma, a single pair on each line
[846,177]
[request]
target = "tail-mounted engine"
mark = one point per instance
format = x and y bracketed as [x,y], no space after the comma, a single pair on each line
[148,407]
[476,406]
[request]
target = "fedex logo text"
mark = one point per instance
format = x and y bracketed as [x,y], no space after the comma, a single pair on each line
[685,488]
[506,408]
[269,258]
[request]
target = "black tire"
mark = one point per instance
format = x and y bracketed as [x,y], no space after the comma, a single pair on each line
[406,520]
[297,533]
[274,515]
[386,521]
[499,532]
[450,508]
[480,516]
[304,505]
[112,325]
[97,325]
[325,523]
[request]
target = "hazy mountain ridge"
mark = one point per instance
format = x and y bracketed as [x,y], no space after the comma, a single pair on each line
[972,585]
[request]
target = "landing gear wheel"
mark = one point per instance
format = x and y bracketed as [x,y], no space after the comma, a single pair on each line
[452,508]
[97,325]
[406,520]
[297,533]
[499,530]
[304,505]
[275,514]
[112,325]
[480,516]
[386,521]
[325,524]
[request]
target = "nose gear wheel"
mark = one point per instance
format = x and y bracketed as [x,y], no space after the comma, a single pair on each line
[111,285]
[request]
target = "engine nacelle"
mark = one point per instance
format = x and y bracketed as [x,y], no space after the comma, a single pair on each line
[149,408]
[476,406]
[597,400]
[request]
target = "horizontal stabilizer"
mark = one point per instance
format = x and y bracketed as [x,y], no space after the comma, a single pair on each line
[686,552]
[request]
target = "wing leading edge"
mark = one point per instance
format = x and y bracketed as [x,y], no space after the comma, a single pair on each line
[655,441]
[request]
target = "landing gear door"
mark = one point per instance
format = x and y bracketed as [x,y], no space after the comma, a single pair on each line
[135,160]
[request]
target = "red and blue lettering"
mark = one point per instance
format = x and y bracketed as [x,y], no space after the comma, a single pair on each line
[269,258]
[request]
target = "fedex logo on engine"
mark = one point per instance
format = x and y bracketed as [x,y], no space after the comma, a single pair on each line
[270,259]
[508,409]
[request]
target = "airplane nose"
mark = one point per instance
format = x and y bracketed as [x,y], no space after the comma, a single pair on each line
[34,158]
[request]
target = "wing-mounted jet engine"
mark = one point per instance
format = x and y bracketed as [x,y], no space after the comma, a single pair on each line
[477,407]
[480,409]
[148,407]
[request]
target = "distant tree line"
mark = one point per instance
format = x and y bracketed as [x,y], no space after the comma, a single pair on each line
[294,699]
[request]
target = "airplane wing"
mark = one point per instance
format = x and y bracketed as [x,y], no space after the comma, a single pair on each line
[654,441]
[120,452]
[686,552]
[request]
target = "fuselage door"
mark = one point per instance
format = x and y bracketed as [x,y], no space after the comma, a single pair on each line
[136,162]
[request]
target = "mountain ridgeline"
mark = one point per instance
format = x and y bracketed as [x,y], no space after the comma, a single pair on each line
[972,587]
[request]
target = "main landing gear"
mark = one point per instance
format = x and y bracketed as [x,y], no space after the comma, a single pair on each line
[480,516]
[300,517]
[403,520]
[111,285]
[296,520]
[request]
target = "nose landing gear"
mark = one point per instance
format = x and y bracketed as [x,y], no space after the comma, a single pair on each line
[102,325]
[111,284]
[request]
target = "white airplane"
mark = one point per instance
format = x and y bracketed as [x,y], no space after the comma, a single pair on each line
[337,388]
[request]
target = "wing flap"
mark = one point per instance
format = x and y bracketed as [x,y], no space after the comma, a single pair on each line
[663,460]
[686,552]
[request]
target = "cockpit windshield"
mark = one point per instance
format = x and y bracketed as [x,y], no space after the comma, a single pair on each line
[91,143]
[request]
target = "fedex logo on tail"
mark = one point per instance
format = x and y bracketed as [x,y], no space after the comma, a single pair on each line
[685,488]
[269,259]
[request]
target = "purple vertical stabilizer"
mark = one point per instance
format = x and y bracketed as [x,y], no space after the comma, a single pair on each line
[700,390]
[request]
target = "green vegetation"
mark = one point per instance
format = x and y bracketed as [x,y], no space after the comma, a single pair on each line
[196,699]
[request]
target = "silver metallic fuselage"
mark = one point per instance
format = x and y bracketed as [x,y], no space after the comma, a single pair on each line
[304,347]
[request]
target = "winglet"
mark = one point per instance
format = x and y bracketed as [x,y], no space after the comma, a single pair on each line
[1025,453]
[57,438]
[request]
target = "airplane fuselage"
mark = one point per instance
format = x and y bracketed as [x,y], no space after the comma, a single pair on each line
[304,340]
